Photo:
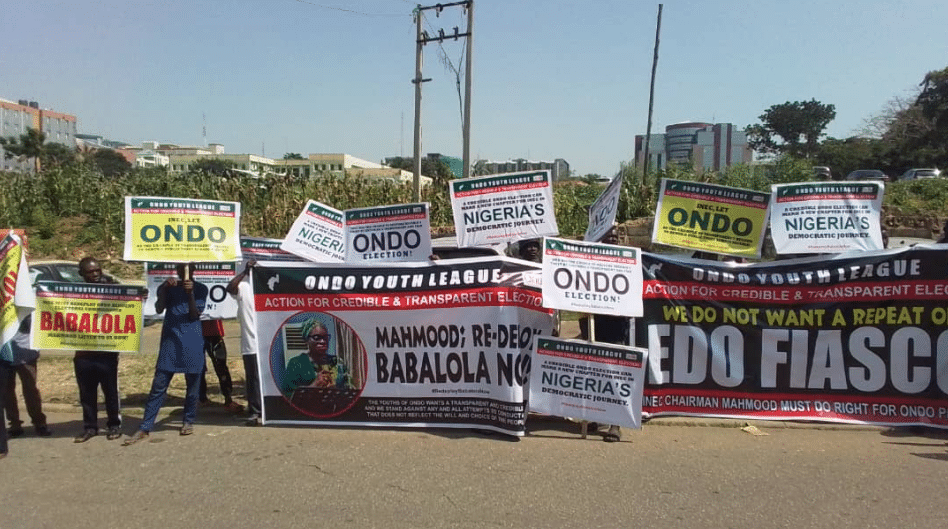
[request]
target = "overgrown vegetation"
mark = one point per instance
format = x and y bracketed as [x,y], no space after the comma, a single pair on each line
[73,209]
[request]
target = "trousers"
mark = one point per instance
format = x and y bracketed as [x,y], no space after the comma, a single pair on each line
[31,395]
[92,371]
[159,388]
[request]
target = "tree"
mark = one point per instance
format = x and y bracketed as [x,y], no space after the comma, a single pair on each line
[797,124]
[110,162]
[28,145]
[212,166]
[933,99]
[54,154]
[437,170]
[293,156]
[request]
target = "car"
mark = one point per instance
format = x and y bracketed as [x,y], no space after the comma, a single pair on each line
[446,248]
[868,174]
[821,172]
[918,174]
[62,271]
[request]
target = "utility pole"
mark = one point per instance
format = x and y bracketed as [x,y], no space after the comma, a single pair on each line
[421,39]
[651,95]
[467,90]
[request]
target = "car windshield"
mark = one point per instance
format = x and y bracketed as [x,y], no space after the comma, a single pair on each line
[70,273]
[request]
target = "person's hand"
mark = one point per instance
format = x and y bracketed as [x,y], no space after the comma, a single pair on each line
[250,264]
[188,285]
[171,282]
[323,379]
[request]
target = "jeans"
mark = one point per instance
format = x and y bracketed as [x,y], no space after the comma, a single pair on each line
[252,384]
[159,388]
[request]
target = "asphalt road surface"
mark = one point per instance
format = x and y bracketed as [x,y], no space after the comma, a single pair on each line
[671,473]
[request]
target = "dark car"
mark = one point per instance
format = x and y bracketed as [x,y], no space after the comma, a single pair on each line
[868,174]
[63,271]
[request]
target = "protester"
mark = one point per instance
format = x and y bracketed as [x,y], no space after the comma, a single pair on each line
[607,329]
[4,375]
[247,315]
[181,349]
[24,367]
[216,350]
[529,250]
[94,369]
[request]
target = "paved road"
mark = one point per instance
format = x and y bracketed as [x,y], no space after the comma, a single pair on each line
[669,474]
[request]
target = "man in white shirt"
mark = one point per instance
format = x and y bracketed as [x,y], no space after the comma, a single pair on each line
[240,288]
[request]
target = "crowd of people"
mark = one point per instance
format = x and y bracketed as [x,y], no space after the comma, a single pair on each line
[185,341]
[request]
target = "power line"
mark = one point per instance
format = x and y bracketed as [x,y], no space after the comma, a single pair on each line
[353,11]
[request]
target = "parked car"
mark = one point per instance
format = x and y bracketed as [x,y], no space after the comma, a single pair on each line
[821,172]
[867,174]
[917,174]
[63,271]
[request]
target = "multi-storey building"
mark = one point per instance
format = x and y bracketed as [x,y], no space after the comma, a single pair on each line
[17,118]
[559,168]
[704,146]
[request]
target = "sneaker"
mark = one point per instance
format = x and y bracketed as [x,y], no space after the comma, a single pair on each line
[187,429]
[113,433]
[43,431]
[135,437]
[87,434]
[253,420]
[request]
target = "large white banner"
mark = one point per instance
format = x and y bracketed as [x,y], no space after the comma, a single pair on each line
[318,234]
[213,275]
[407,344]
[502,208]
[589,381]
[592,277]
[602,214]
[826,217]
[388,234]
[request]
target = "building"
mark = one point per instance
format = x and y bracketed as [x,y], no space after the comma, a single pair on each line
[704,146]
[16,118]
[559,168]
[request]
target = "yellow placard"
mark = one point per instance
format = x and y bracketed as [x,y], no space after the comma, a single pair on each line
[11,252]
[711,218]
[181,230]
[88,317]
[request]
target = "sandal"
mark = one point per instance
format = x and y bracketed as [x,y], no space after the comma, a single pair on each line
[614,435]
[187,429]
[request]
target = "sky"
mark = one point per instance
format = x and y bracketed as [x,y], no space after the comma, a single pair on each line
[551,78]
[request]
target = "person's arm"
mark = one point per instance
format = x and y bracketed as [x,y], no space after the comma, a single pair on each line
[193,311]
[231,287]
[162,300]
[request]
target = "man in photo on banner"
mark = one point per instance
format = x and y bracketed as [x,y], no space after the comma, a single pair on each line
[181,349]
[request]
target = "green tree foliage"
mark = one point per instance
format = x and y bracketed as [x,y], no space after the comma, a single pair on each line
[110,162]
[437,170]
[293,156]
[933,99]
[212,166]
[26,146]
[843,156]
[54,154]
[797,125]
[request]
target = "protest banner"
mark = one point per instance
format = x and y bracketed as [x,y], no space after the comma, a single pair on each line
[87,317]
[181,230]
[502,208]
[17,299]
[388,234]
[589,381]
[318,234]
[592,277]
[602,214]
[826,217]
[854,338]
[264,249]
[215,276]
[407,344]
[711,218]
